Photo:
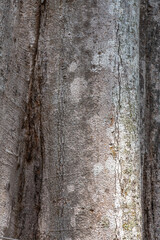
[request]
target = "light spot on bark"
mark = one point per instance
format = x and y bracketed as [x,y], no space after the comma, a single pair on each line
[72,67]
[77,209]
[70,188]
[111,9]
[98,167]
[109,133]
[95,197]
[110,164]
[73,221]
[111,217]
[78,86]
[129,200]
[157,118]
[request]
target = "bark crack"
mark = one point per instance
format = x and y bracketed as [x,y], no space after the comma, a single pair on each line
[117,170]
[119,64]
[32,150]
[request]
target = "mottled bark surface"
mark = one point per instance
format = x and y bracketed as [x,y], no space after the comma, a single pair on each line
[70,150]
[150,115]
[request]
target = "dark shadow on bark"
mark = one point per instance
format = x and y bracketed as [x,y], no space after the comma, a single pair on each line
[150,125]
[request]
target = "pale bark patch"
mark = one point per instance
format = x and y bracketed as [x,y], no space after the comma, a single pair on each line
[77,87]
[73,66]
[97,169]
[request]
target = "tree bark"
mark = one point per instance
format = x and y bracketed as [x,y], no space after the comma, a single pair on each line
[70,120]
[150,116]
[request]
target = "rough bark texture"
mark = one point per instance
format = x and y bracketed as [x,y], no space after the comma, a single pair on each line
[150,115]
[70,150]
[23,139]
[127,123]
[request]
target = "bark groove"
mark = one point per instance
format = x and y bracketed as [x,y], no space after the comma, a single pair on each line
[31,148]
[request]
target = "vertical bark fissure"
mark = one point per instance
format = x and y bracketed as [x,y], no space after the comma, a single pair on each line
[117,166]
[60,130]
[32,150]
[119,65]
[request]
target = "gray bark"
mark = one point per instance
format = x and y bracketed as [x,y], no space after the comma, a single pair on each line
[70,118]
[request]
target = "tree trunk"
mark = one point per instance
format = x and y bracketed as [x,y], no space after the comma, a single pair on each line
[70,119]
